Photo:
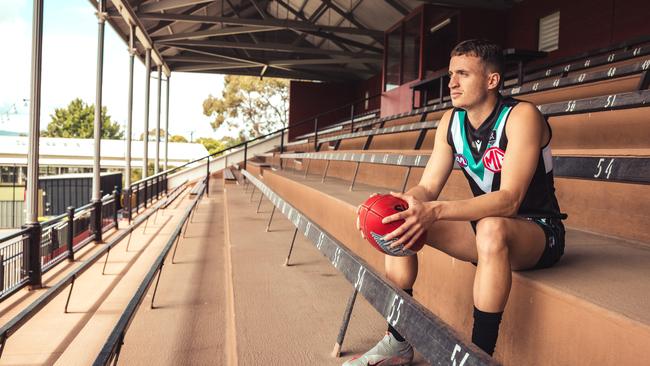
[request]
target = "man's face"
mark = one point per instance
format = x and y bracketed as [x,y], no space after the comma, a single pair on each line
[469,81]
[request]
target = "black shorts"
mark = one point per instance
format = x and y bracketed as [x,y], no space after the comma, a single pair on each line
[554,232]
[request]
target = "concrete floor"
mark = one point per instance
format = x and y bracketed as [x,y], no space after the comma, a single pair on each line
[227,300]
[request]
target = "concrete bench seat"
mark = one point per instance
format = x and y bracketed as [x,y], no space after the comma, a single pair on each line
[589,309]
[590,61]
[228,174]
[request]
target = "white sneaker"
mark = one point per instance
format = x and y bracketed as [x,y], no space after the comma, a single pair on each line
[388,352]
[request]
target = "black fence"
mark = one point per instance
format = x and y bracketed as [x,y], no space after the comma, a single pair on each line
[60,238]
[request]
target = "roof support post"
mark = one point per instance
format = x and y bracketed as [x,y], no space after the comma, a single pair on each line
[96,196]
[147,84]
[31,248]
[129,125]
[167,125]
[157,166]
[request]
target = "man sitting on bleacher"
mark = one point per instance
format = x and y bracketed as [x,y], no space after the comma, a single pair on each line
[502,146]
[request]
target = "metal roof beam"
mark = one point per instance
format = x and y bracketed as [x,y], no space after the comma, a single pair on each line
[214,67]
[267,46]
[278,23]
[141,35]
[259,9]
[163,24]
[326,61]
[170,4]
[228,31]
[395,4]
[485,4]
[219,55]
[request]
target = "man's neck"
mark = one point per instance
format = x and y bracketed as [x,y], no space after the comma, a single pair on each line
[479,113]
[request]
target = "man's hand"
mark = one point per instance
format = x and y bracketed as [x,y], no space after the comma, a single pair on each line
[417,218]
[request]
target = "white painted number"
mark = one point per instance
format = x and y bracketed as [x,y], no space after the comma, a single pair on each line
[556,82]
[535,86]
[587,63]
[567,68]
[548,72]
[582,77]
[417,160]
[337,258]
[571,106]
[360,275]
[608,169]
[645,65]
[611,72]
[399,159]
[458,349]
[395,311]
[610,58]
[610,101]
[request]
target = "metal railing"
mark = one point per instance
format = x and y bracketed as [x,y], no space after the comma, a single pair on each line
[111,349]
[12,262]
[55,240]
[21,318]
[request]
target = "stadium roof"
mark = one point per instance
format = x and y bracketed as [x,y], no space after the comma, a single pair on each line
[329,40]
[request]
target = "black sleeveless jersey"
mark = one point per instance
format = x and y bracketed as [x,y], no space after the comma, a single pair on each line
[480,152]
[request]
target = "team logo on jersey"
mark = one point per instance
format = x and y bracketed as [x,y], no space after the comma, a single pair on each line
[478,143]
[493,137]
[493,159]
[461,160]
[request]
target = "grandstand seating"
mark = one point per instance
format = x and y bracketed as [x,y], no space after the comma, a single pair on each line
[601,143]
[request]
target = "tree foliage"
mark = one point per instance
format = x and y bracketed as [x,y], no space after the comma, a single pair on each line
[177,138]
[214,145]
[152,135]
[249,105]
[77,121]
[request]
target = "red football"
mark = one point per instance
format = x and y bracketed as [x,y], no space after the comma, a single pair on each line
[372,212]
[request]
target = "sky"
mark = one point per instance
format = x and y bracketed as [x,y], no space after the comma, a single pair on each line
[69,72]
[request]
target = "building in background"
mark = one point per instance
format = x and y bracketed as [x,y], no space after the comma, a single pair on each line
[68,156]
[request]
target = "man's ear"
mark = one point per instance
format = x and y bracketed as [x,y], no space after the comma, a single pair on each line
[494,80]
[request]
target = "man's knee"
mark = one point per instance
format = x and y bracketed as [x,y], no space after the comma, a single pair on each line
[491,237]
[402,270]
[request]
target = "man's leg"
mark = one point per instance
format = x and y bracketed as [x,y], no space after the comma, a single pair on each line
[502,245]
[402,271]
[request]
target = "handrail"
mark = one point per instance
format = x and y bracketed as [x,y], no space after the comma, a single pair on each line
[113,344]
[243,144]
[14,235]
[19,320]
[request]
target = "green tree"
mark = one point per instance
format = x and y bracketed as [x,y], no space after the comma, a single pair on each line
[214,145]
[251,105]
[152,135]
[177,138]
[77,120]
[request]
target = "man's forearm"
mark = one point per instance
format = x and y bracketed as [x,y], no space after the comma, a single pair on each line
[421,193]
[494,204]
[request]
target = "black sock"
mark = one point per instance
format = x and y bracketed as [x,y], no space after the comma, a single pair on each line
[394,331]
[486,330]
